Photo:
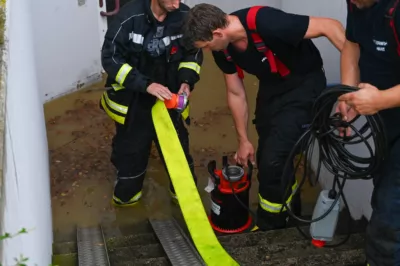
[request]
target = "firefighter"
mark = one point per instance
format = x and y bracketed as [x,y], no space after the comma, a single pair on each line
[275,47]
[145,60]
[371,61]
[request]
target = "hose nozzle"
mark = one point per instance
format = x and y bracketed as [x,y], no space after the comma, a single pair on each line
[178,102]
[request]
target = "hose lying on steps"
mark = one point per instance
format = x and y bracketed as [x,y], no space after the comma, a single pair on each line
[334,151]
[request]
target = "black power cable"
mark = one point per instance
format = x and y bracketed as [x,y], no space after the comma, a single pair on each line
[334,151]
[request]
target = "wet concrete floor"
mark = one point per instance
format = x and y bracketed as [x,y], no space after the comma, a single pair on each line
[82,177]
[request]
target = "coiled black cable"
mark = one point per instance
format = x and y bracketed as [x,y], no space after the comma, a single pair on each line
[334,150]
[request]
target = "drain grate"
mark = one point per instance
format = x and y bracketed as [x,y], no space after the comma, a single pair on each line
[177,246]
[92,249]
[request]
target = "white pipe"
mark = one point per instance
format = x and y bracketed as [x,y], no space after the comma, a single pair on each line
[26,183]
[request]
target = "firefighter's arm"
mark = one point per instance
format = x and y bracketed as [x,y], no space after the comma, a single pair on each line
[189,67]
[114,55]
[237,102]
[349,70]
[330,28]
[390,98]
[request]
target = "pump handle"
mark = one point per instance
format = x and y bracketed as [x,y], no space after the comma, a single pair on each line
[224,161]
[250,169]
[212,165]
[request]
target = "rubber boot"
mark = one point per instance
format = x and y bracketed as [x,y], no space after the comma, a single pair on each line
[128,191]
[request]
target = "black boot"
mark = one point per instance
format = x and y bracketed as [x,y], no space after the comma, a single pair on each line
[270,221]
[128,190]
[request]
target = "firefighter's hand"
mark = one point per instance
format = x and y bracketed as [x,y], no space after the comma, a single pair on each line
[365,101]
[348,114]
[245,153]
[185,88]
[160,91]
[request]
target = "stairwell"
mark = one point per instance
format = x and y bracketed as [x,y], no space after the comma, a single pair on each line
[279,247]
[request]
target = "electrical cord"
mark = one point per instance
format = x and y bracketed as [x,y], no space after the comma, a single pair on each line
[334,151]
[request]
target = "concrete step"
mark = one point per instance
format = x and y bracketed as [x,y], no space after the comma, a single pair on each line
[280,247]
[338,258]
[131,240]
[64,248]
[259,254]
[143,262]
[260,238]
[66,259]
[133,253]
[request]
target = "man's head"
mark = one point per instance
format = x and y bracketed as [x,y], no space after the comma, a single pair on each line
[205,27]
[168,5]
[363,3]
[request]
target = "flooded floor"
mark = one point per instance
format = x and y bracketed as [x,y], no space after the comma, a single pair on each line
[82,177]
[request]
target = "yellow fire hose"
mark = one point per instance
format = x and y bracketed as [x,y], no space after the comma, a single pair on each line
[190,203]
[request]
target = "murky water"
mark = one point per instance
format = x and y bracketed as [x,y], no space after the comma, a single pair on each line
[82,177]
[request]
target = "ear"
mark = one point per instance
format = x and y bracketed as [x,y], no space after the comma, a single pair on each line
[217,33]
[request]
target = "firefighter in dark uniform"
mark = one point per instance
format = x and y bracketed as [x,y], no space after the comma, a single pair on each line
[145,60]
[371,61]
[284,101]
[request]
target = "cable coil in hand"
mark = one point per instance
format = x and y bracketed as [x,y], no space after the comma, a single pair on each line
[334,150]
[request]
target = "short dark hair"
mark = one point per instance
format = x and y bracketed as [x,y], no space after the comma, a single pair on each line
[201,21]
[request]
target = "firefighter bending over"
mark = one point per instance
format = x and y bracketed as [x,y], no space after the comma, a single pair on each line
[371,61]
[144,59]
[289,68]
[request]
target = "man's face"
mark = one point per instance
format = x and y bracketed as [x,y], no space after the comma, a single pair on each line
[363,3]
[219,42]
[169,5]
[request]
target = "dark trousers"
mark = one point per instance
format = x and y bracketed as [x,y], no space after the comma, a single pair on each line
[383,232]
[131,147]
[280,121]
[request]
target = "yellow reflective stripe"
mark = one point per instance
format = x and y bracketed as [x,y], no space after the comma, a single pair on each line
[276,207]
[115,106]
[191,65]
[122,73]
[113,116]
[188,196]
[185,113]
[117,87]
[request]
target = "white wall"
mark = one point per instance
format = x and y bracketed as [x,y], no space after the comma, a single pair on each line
[324,8]
[357,192]
[231,5]
[68,38]
[26,196]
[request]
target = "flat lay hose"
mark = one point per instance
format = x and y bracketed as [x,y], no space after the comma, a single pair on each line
[189,199]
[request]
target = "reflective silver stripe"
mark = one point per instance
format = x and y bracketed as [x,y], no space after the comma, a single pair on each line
[122,73]
[190,65]
[276,207]
[133,177]
[117,107]
[167,39]
[136,38]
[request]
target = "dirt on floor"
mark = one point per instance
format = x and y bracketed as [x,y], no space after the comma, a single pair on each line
[82,177]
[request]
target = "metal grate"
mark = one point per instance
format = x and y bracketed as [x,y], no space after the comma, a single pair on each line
[92,249]
[178,248]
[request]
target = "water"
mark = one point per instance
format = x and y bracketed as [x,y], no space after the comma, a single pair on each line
[82,177]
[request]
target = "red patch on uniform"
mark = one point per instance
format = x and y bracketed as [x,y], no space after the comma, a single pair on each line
[174,50]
